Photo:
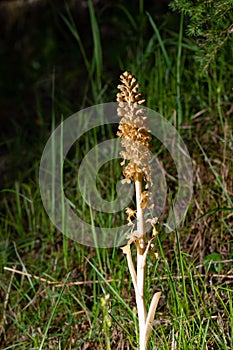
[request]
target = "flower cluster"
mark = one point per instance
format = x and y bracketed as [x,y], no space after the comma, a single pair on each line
[132,129]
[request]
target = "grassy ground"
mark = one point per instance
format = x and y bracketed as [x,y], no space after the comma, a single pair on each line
[57,294]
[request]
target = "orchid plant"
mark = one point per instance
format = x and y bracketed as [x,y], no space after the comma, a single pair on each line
[135,138]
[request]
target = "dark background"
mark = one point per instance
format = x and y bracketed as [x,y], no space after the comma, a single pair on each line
[38,53]
[36,44]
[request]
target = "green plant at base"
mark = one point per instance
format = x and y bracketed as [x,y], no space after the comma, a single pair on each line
[135,139]
[107,320]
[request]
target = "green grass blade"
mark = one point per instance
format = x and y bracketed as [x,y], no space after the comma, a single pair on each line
[161,43]
[128,15]
[97,54]
[112,289]
[178,72]
[52,314]
[216,175]
[72,27]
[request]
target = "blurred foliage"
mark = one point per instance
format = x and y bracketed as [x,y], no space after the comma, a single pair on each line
[43,73]
[36,46]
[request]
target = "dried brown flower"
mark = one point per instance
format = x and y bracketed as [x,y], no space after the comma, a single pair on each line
[132,129]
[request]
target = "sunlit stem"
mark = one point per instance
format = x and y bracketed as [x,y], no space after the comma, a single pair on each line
[140,300]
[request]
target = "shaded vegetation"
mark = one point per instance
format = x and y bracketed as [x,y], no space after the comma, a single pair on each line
[54,61]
